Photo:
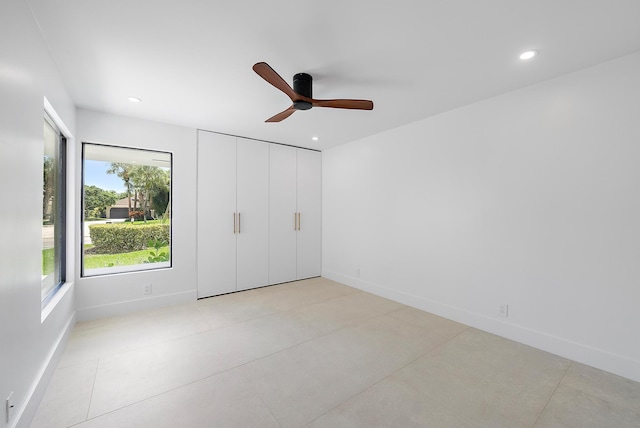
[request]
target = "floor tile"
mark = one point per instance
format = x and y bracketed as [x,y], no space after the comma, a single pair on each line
[299,294]
[390,403]
[225,400]
[570,408]
[229,309]
[128,318]
[66,401]
[334,314]
[139,374]
[303,382]
[429,321]
[470,377]
[320,353]
[500,353]
[607,386]
[131,332]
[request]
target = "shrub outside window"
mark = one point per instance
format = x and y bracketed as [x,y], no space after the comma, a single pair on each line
[126,209]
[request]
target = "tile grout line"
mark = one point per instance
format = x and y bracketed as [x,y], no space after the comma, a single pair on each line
[223,371]
[259,396]
[93,387]
[134,348]
[354,324]
[276,311]
[291,311]
[552,394]
[209,328]
[188,384]
[598,398]
[385,377]
[274,353]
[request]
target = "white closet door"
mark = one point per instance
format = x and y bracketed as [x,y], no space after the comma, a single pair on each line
[309,180]
[216,208]
[282,212]
[253,212]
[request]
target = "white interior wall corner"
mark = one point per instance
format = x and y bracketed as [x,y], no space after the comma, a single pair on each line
[526,199]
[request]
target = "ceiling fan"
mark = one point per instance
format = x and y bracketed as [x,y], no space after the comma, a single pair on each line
[301,94]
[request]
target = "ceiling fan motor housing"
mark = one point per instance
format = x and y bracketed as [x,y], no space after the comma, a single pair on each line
[302,83]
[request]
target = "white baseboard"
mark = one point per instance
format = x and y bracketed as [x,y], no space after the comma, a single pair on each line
[25,414]
[131,306]
[599,358]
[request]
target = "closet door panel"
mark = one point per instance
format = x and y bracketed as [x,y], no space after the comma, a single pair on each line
[253,213]
[216,208]
[309,200]
[282,212]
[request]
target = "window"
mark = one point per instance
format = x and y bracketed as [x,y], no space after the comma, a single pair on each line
[53,210]
[126,209]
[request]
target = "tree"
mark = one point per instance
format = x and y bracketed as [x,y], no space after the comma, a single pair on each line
[123,170]
[161,194]
[48,188]
[96,201]
[148,180]
[160,200]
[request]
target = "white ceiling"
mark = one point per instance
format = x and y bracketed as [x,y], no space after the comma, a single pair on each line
[190,60]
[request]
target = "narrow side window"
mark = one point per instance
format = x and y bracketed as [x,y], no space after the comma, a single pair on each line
[53,210]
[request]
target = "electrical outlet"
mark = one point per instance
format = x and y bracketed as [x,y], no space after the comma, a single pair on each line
[504,310]
[9,407]
[358,272]
[147,289]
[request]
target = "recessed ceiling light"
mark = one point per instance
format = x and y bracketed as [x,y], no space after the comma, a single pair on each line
[315,138]
[134,99]
[528,54]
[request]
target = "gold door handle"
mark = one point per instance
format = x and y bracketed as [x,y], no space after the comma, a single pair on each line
[299,223]
[239,224]
[234,223]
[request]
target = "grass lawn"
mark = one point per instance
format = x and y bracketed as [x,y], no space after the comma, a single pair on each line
[127,222]
[93,261]
[141,222]
[48,261]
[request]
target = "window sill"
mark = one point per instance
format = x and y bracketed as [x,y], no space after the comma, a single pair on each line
[51,305]
[125,269]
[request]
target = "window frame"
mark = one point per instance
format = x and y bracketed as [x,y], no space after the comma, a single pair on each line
[127,268]
[60,209]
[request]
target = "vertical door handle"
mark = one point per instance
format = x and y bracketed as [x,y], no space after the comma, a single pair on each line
[299,223]
[234,223]
[295,221]
[239,223]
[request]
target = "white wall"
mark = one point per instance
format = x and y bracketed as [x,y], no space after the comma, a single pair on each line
[111,295]
[30,340]
[529,199]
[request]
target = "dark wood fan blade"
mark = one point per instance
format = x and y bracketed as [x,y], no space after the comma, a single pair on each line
[282,115]
[270,75]
[351,104]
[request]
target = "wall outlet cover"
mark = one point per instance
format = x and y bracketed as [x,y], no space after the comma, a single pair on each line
[9,407]
[504,310]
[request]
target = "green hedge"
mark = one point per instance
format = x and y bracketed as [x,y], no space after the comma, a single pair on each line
[125,237]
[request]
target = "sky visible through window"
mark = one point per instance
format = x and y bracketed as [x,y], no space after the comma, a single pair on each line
[95,174]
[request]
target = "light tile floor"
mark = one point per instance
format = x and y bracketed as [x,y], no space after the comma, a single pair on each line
[316,353]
